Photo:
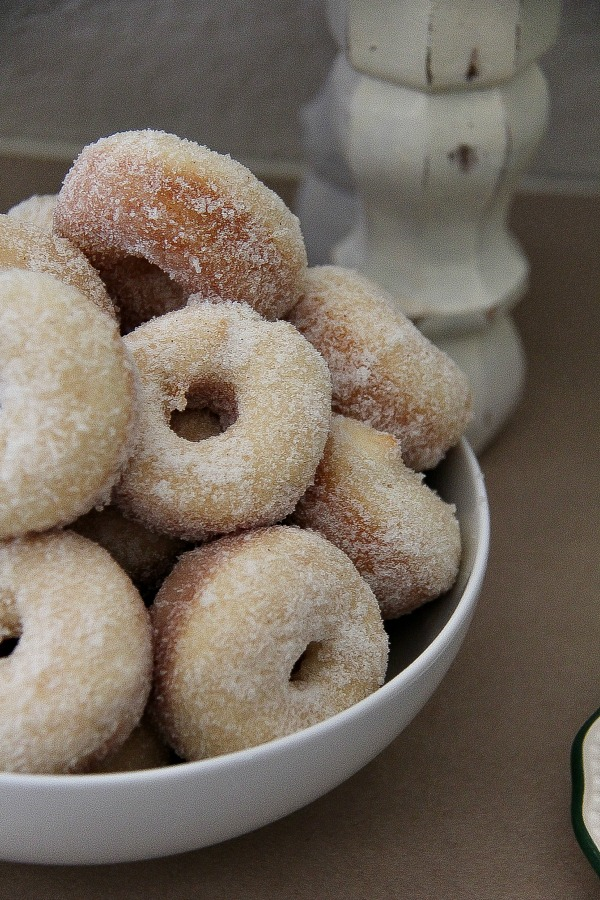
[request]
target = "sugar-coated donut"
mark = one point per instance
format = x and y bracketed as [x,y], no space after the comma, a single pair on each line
[78,679]
[143,749]
[38,210]
[383,370]
[145,556]
[141,291]
[138,289]
[401,536]
[23,245]
[259,635]
[273,393]
[67,398]
[198,215]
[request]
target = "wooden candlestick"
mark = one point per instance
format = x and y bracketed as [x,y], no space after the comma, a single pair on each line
[417,140]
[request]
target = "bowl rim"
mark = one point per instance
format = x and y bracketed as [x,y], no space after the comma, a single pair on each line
[186,769]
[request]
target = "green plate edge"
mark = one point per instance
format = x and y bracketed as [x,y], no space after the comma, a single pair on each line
[586,842]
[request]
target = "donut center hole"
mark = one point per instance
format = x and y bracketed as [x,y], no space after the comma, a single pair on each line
[307,664]
[10,626]
[7,645]
[210,410]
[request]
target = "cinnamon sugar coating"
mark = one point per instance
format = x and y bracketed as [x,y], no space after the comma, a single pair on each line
[140,291]
[211,417]
[147,557]
[24,245]
[77,681]
[67,397]
[198,215]
[384,371]
[272,392]
[401,536]
[259,635]
[37,210]
[143,749]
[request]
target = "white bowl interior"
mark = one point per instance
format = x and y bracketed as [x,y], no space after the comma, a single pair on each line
[108,818]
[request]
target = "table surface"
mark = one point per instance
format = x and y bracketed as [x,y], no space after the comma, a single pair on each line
[473,799]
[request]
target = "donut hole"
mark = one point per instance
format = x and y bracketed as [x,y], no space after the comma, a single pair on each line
[308,665]
[210,409]
[7,645]
[195,424]
[10,626]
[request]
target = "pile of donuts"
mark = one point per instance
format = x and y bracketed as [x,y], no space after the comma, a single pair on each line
[212,461]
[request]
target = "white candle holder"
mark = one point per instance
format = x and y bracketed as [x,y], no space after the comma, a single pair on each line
[417,141]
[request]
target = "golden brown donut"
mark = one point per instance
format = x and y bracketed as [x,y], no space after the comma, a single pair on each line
[145,556]
[401,536]
[259,635]
[383,370]
[140,291]
[143,749]
[37,210]
[77,681]
[136,288]
[25,246]
[67,398]
[272,392]
[200,216]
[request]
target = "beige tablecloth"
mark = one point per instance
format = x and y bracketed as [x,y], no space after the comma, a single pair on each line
[472,800]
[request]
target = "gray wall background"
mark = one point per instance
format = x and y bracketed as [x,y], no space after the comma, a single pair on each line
[233,76]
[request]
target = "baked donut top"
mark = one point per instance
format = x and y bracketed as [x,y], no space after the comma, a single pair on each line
[199,215]
[26,246]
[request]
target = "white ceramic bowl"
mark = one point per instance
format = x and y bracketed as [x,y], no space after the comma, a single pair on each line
[109,818]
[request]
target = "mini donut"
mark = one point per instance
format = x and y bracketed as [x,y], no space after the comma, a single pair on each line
[145,556]
[137,289]
[143,749]
[201,217]
[401,536]
[384,371]
[259,635]
[23,245]
[78,679]
[67,399]
[140,291]
[272,392]
[38,210]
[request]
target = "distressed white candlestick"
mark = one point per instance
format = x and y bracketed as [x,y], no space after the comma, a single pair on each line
[418,139]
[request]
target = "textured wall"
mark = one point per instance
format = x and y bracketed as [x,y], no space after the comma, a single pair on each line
[229,74]
[571,148]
